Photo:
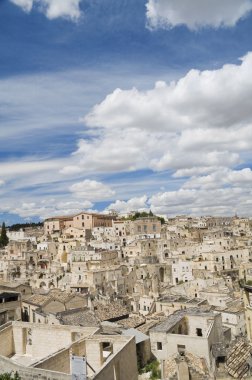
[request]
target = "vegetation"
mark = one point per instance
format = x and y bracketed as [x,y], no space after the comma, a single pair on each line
[18,226]
[10,376]
[4,240]
[145,214]
[153,368]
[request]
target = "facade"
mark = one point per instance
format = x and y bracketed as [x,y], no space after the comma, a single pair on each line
[10,306]
[188,331]
[145,226]
[46,351]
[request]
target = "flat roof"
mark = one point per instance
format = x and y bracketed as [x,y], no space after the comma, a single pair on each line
[177,316]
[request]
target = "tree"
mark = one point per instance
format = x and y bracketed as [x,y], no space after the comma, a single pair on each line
[10,376]
[4,240]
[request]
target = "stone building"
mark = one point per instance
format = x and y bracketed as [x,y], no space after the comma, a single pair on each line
[193,331]
[48,352]
[10,306]
[144,226]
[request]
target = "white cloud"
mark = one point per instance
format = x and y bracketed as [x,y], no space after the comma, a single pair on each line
[26,5]
[62,8]
[201,121]
[198,100]
[31,167]
[69,9]
[91,190]
[196,13]
[133,204]
[220,178]
[217,201]
[199,127]
[48,207]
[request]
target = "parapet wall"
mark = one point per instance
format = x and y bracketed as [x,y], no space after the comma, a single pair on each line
[28,373]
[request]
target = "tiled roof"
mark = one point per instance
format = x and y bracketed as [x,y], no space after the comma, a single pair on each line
[131,322]
[78,317]
[237,359]
[38,299]
[110,311]
[55,294]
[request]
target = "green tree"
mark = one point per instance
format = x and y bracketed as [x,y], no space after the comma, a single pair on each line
[10,376]
[4,240]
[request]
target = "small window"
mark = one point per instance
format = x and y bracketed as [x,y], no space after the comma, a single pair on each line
[181,349]
[159,346]
[199,332]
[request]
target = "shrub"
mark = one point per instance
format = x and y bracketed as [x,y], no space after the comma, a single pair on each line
[10,376]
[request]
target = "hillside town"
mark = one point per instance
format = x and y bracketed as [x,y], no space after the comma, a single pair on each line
[104,297]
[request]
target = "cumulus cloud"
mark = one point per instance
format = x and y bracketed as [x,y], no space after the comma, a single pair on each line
[220,178]
[133,204]
[69,9]
[91,190]
[198,100]
[47,207]
[225,192]
[217,201]
[201,121]
[196,13]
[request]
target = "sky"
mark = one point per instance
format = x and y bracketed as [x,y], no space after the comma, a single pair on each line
[125,105]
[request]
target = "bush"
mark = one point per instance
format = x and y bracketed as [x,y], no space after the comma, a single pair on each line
[152,367]
[10,376]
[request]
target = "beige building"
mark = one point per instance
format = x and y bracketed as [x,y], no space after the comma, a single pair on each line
[49,352]
[53,302]
[86,220]
[10,306]
[188,331]
[145,226]
[57,224]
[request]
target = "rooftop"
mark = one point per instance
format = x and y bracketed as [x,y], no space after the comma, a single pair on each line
[113,310]
[237,359]
[178,315]
[78,317]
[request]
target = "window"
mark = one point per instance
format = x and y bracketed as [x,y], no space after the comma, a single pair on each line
[181,349]
[199,332]
[159,346]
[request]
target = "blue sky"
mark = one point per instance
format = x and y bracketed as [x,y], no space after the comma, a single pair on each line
[124,104]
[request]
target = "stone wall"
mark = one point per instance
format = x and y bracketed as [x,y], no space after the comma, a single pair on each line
[59,362]
[6,341]
[7,365]
[121,366]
